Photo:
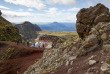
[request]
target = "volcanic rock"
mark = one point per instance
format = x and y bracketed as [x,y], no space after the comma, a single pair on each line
[105,67]
[89,17]
[92,62]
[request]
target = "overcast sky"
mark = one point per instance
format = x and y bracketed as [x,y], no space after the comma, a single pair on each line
[45,10]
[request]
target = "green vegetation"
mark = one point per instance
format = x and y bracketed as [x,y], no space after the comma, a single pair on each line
[7,31]
[101,31]
[9,34]
[4,22]
[7,54]
[64,35]
[108,61]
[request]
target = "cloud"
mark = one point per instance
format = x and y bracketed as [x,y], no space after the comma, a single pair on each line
[20,9]
[73,9]
[106,2]
[38,4]
[50,15]
[90,3]
[3,7]
[51,10]
[64,2]
[30,9]
[8,13]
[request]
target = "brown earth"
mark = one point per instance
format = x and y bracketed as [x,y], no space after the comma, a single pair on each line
[21,58]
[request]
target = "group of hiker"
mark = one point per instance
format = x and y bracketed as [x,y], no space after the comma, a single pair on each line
[23,42]
[37,44]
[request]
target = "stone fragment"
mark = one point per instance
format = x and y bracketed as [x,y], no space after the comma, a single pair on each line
[92,62]
[67,63]
[72,58]
[70,70]
[104,36]
[105,67]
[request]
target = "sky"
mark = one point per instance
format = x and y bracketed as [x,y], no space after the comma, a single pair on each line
[45,10]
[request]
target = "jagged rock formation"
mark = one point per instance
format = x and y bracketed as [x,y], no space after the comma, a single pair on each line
[89,54]
[7,31]
[28,30]
[89,17]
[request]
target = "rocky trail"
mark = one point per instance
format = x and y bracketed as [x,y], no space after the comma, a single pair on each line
[21,59]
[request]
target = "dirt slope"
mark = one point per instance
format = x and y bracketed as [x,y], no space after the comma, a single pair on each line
[21,58]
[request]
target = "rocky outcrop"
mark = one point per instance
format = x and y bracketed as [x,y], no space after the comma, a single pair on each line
[28,30]
[89,17]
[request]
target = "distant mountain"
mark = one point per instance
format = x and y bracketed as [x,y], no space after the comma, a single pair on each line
[28,30]
[8,32]
[55,26]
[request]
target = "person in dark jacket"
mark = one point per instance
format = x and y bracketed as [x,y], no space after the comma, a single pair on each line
[28,43]
[17,41]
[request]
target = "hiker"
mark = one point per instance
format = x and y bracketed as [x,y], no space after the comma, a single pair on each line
[17,41]
[38,44]
[52,45]
[33,44]
[23,42]
[28,43]
[43,45]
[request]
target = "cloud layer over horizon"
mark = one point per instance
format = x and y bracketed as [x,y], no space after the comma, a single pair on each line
[45,10]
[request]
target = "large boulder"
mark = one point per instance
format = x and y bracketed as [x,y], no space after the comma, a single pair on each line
[89,17]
